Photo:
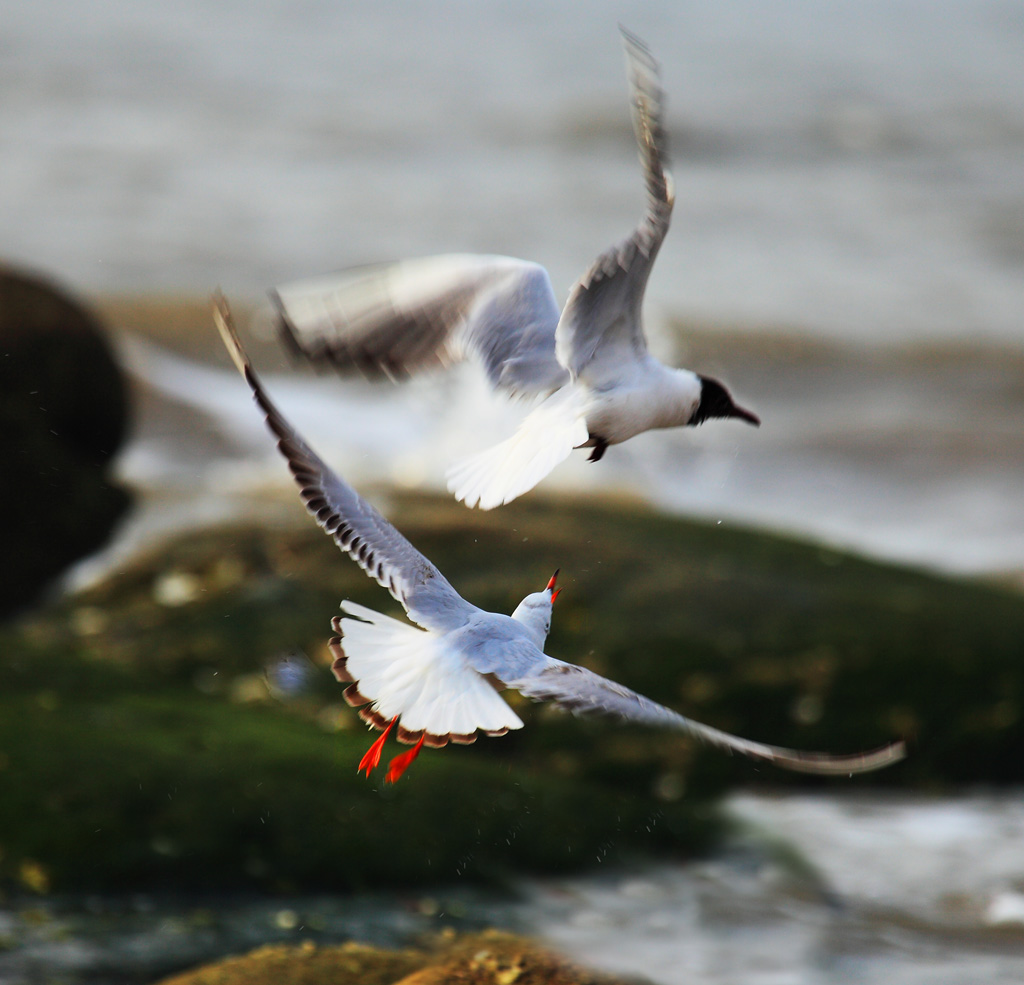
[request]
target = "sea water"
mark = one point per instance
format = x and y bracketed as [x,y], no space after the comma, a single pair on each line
[850,168]
[812,889]
[846,173]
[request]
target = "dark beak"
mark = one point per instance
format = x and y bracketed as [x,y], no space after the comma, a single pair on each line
[745,415]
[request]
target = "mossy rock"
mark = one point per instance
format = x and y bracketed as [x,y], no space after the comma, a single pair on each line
[307,964]
[489,958]
[141,746]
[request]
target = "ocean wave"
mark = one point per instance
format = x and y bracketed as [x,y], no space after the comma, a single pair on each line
[917,459]
[733,341]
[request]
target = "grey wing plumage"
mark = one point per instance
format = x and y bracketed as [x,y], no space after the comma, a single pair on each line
[357,528]
[583,691]
[603,309]
[396,319]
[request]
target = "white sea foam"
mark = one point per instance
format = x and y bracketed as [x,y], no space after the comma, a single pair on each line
[905,891]
[887,457]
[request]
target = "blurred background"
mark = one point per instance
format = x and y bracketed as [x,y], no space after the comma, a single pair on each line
[846,177]
[847,252]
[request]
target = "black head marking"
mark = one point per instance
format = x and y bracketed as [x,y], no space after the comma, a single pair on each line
[715,401]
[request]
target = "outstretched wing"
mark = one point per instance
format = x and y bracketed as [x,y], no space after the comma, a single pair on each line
[396,319]
[357,528]
[601,320]
[583,691]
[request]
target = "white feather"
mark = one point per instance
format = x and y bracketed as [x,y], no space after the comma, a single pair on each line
[414,674]
[545,438]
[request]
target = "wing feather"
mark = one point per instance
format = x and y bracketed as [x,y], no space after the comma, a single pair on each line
[396,319]
[584,692]
[356,527]
[603,310]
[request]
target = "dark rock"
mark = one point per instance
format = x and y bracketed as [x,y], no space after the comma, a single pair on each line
[63,415]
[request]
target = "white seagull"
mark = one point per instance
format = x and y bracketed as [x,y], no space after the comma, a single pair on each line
[439,683]
[590,363]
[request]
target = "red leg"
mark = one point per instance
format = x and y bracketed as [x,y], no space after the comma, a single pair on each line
[401,763]
[371,760]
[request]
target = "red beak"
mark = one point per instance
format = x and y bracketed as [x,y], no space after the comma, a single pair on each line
[551,586]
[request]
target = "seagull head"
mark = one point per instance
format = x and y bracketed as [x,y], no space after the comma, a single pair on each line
[715,401]
[534,612]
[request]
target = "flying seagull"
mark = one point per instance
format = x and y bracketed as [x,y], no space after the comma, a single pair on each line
[440,682]
[590,363]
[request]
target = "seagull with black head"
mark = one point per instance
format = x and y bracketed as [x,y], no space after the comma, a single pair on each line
[588,364]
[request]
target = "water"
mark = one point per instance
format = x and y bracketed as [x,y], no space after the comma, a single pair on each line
[850,169]
[812,889]
[911,456]
[885,890]
[847,171]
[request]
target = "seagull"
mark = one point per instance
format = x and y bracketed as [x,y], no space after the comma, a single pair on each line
[438,681]
[589,366]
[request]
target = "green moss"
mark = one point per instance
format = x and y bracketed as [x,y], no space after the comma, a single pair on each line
[113,778]
[132,751]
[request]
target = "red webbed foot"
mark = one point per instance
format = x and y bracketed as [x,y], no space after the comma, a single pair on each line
[371,760]
[401,763]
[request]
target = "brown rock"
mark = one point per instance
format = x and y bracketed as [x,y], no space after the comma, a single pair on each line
[489,958]
[497,958]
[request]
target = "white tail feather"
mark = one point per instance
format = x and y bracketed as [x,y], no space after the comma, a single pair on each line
[410,673]
[544,439]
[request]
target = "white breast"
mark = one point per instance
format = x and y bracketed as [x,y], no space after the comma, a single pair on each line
[653,396]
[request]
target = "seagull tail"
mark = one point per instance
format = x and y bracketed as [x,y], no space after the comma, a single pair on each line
[544,439]
[395,670]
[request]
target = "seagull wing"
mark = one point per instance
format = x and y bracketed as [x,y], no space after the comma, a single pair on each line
[600,325]
[357,528]
[583,691]
[395,319]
